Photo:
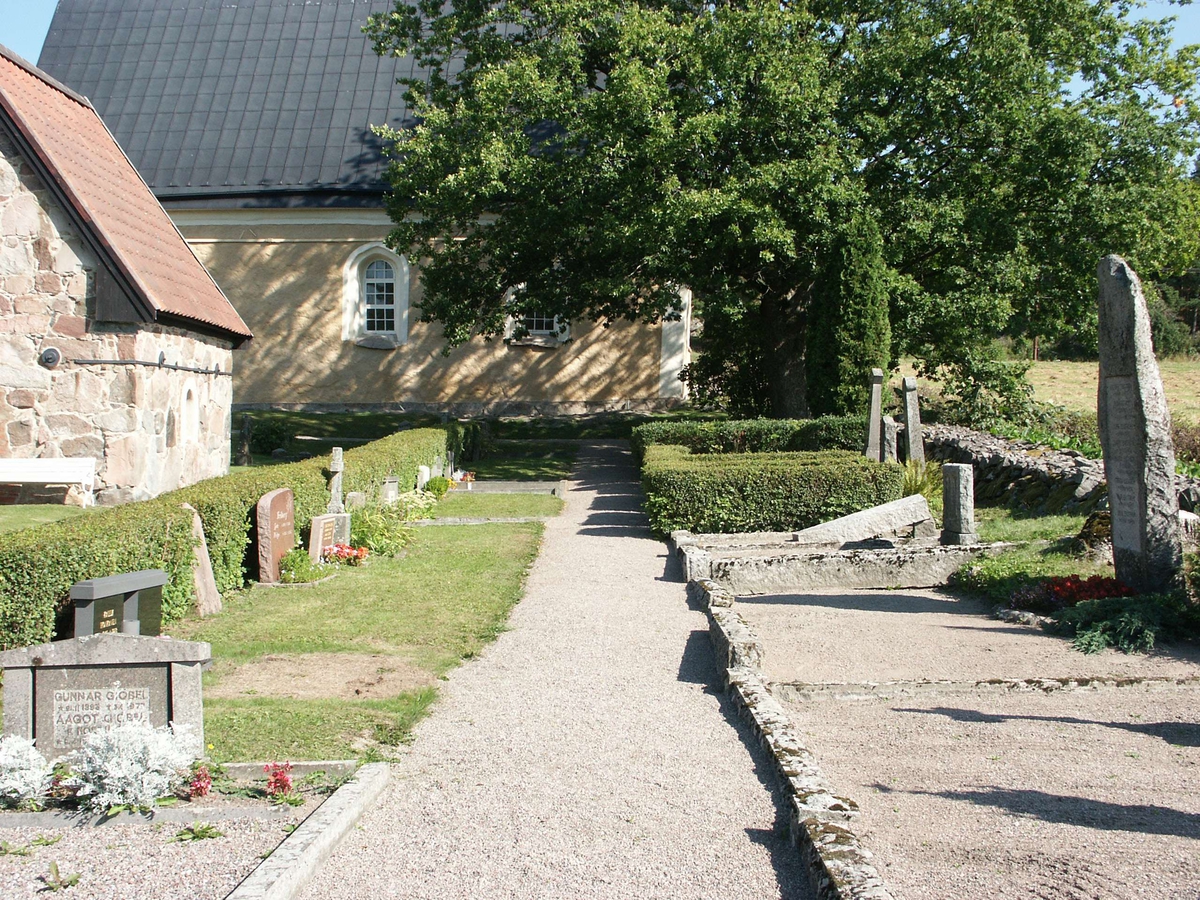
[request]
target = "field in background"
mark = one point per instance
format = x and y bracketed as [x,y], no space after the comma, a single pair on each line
[1073,385]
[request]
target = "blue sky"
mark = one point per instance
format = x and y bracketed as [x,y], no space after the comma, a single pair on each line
[24,23]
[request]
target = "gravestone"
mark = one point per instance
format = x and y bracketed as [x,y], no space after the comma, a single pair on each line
[1135,433]
[874,409]
[276,532]
[914,440]
[243,454]
[355,500]
[438,468]
[423,475]
[56,693]
[958,504]
[119,604]
[336,466]
[208,598]
[322,535]
[390,492]
[890,439]
[336,508]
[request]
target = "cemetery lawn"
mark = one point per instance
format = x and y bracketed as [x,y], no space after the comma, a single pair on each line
[531,460]
[1050,553]
[344,668]
[464,504]
[16,517]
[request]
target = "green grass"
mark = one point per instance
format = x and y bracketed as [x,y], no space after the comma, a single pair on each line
[996,578]
[266,728]
[526,461]
[460,503]
[446,597]
[365,425]
[14,518]
[1002,524]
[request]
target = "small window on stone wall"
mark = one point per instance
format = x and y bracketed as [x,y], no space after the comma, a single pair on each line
[375,298]
[379,292]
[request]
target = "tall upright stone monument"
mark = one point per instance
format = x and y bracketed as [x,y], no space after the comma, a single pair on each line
[336,508]
[875,408]
[914,438]
[1135,432]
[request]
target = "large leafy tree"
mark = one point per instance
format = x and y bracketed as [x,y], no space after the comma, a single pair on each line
[837,180]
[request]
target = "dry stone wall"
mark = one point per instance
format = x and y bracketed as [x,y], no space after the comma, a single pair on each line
[1023,474]
[151,429]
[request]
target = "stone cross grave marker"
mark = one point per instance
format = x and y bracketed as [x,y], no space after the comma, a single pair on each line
[57,693]
[276,514]
[336,467]
[874,409]
[958,504]
[1135,433]
[914,440]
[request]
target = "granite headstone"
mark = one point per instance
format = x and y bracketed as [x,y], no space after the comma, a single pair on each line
[874,423]
[276,532]
[1135,434]
[914,439]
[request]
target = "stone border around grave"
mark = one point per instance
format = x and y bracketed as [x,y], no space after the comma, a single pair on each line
[838,866]
[287,871]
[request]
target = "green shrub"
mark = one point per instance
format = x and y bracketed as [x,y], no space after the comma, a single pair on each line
[1130,624]
[755,435]
[384,530]
[39,565]
[438,486]
[297,567]
[760,491]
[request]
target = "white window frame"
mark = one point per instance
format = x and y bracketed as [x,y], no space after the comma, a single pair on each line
[559,334]
[354,302]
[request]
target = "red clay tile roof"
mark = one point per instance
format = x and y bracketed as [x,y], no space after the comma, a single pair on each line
[73,143]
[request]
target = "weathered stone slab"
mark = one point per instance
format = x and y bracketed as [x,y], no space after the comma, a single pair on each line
[276,532]
[1135,432]
[390,492]
[874,409]
[356,500]
[890,438]
[895,518]
[958,504]
[208,598]
[423,476]
[914,442]
[337,465]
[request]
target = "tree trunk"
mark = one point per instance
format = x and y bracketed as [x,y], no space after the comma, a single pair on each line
[783,330]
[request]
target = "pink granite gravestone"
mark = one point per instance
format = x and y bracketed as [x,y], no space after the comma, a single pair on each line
[276,532]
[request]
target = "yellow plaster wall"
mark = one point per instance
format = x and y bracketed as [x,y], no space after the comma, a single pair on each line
[286,281]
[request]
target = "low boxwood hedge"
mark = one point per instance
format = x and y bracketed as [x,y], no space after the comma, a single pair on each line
[755,435]
[738,492]
[39,565]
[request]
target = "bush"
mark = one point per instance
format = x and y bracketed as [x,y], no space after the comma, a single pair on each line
[24,773]
[297,567]
[438,486]
[130,765]
[1130,624]
[39,565]
[760,491]
[384,529]
[755,435]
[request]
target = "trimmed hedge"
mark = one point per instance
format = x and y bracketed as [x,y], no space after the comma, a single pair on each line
[39,565]
[739,492]
[755,435]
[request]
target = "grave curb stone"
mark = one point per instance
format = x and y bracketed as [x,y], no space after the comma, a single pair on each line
[291,866]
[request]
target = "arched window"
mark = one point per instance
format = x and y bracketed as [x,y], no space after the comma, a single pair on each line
[375,298]
[379,292]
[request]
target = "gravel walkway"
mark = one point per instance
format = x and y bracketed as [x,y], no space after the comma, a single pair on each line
[589,752]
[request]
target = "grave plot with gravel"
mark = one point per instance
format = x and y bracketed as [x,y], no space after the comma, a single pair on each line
[137,861]
[991,759]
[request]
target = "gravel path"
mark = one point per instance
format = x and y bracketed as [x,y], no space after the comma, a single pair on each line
[589,752]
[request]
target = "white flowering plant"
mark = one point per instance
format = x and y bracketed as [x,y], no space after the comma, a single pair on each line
[130,766]
[25,775]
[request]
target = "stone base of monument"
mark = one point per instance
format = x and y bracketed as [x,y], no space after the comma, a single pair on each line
[57,693]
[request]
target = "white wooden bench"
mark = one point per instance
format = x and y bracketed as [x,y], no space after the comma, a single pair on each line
[76,471]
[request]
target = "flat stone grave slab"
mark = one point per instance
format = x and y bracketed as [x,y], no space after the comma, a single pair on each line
[990,759]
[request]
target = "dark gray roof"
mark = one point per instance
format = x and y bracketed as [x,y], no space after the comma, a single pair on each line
[236,102]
